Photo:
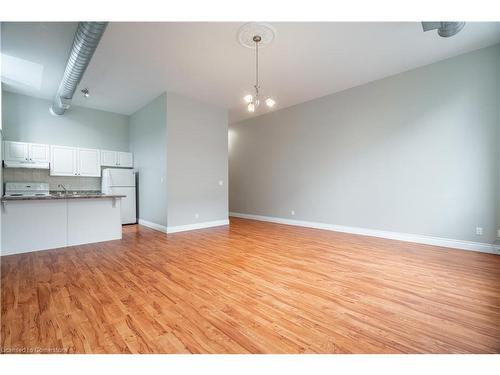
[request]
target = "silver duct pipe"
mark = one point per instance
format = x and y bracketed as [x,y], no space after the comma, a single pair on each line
[86,39]
[445,29]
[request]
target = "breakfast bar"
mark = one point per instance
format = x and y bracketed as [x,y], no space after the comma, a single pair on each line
[56,220]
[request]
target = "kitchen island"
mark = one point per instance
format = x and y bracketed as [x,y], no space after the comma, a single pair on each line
[31,223]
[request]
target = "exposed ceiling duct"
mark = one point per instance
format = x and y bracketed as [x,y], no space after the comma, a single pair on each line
[445,29]
[86,39]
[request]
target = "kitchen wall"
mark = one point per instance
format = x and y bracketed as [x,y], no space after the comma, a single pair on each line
[414,153]
[148,142]
[42,175]
[197,171]
[27,119]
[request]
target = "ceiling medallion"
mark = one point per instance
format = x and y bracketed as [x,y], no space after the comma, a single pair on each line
[256,35]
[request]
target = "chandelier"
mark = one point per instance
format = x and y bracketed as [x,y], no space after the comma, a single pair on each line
[254,35]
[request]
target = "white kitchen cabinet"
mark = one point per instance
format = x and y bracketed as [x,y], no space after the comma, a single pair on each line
[39,153]
[73,161]
[125,159]
[117,159]
[108,158]
[26,152]
[88,162]
[63,161]
[16,151]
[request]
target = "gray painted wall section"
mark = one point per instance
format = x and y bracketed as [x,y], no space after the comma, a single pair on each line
[196,161]
[28,119]
[498,111]
[148,141]
[414,153]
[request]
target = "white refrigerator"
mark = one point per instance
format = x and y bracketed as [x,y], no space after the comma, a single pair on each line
[121,182]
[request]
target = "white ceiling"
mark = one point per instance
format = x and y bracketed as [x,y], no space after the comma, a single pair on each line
[135,62]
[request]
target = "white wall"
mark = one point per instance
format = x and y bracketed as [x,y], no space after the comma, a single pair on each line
[414,153]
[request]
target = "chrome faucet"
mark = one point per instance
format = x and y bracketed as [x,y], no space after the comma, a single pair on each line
[62,186]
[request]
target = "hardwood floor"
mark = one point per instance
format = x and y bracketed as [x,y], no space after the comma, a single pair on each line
[252,287]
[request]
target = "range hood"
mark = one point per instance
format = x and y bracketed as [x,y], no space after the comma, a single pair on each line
[24,164]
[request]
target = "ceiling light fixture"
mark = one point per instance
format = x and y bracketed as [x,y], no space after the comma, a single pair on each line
[256,35]
[86,93]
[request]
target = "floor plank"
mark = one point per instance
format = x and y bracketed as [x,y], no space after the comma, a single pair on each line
[251,287]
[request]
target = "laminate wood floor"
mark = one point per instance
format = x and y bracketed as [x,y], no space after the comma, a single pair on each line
[251,287]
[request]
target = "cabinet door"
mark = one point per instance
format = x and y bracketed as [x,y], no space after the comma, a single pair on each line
[125,159]
[63,161]
[39,153]
[89,162]
[108,158]
[16,151]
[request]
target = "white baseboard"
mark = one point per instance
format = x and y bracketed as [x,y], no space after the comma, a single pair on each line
[205,224]
[152,225]
[417,238]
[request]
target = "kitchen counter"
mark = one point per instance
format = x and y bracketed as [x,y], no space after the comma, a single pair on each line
[60,196]
[59,220]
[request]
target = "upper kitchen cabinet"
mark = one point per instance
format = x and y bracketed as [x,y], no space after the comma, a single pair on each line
[26,153]
[39,153]
[63,161]
[89,162]
[73,161]
[125,159]
[16,151]
[116,159]
[108,158]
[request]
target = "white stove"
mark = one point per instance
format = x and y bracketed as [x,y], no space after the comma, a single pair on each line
[26,189]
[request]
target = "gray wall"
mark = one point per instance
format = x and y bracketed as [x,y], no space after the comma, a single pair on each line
[498,108]
[148,140]
[196,161]
[28,119]
[414,153]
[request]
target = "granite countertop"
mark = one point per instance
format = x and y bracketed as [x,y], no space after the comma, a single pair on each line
[63,196]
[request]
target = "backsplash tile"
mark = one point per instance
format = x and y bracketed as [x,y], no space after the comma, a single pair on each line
[42,175]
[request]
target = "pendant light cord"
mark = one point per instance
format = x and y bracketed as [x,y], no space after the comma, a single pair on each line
[257,69]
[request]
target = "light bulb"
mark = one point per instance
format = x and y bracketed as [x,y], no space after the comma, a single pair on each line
[251,107]
[248,98]
[270,102]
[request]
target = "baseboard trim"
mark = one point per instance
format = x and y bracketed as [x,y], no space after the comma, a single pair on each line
[205,224]
[407,237]
[152,225]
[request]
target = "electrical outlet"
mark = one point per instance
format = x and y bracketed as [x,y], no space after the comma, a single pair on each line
[197,216]
[479,231]
[292,212]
